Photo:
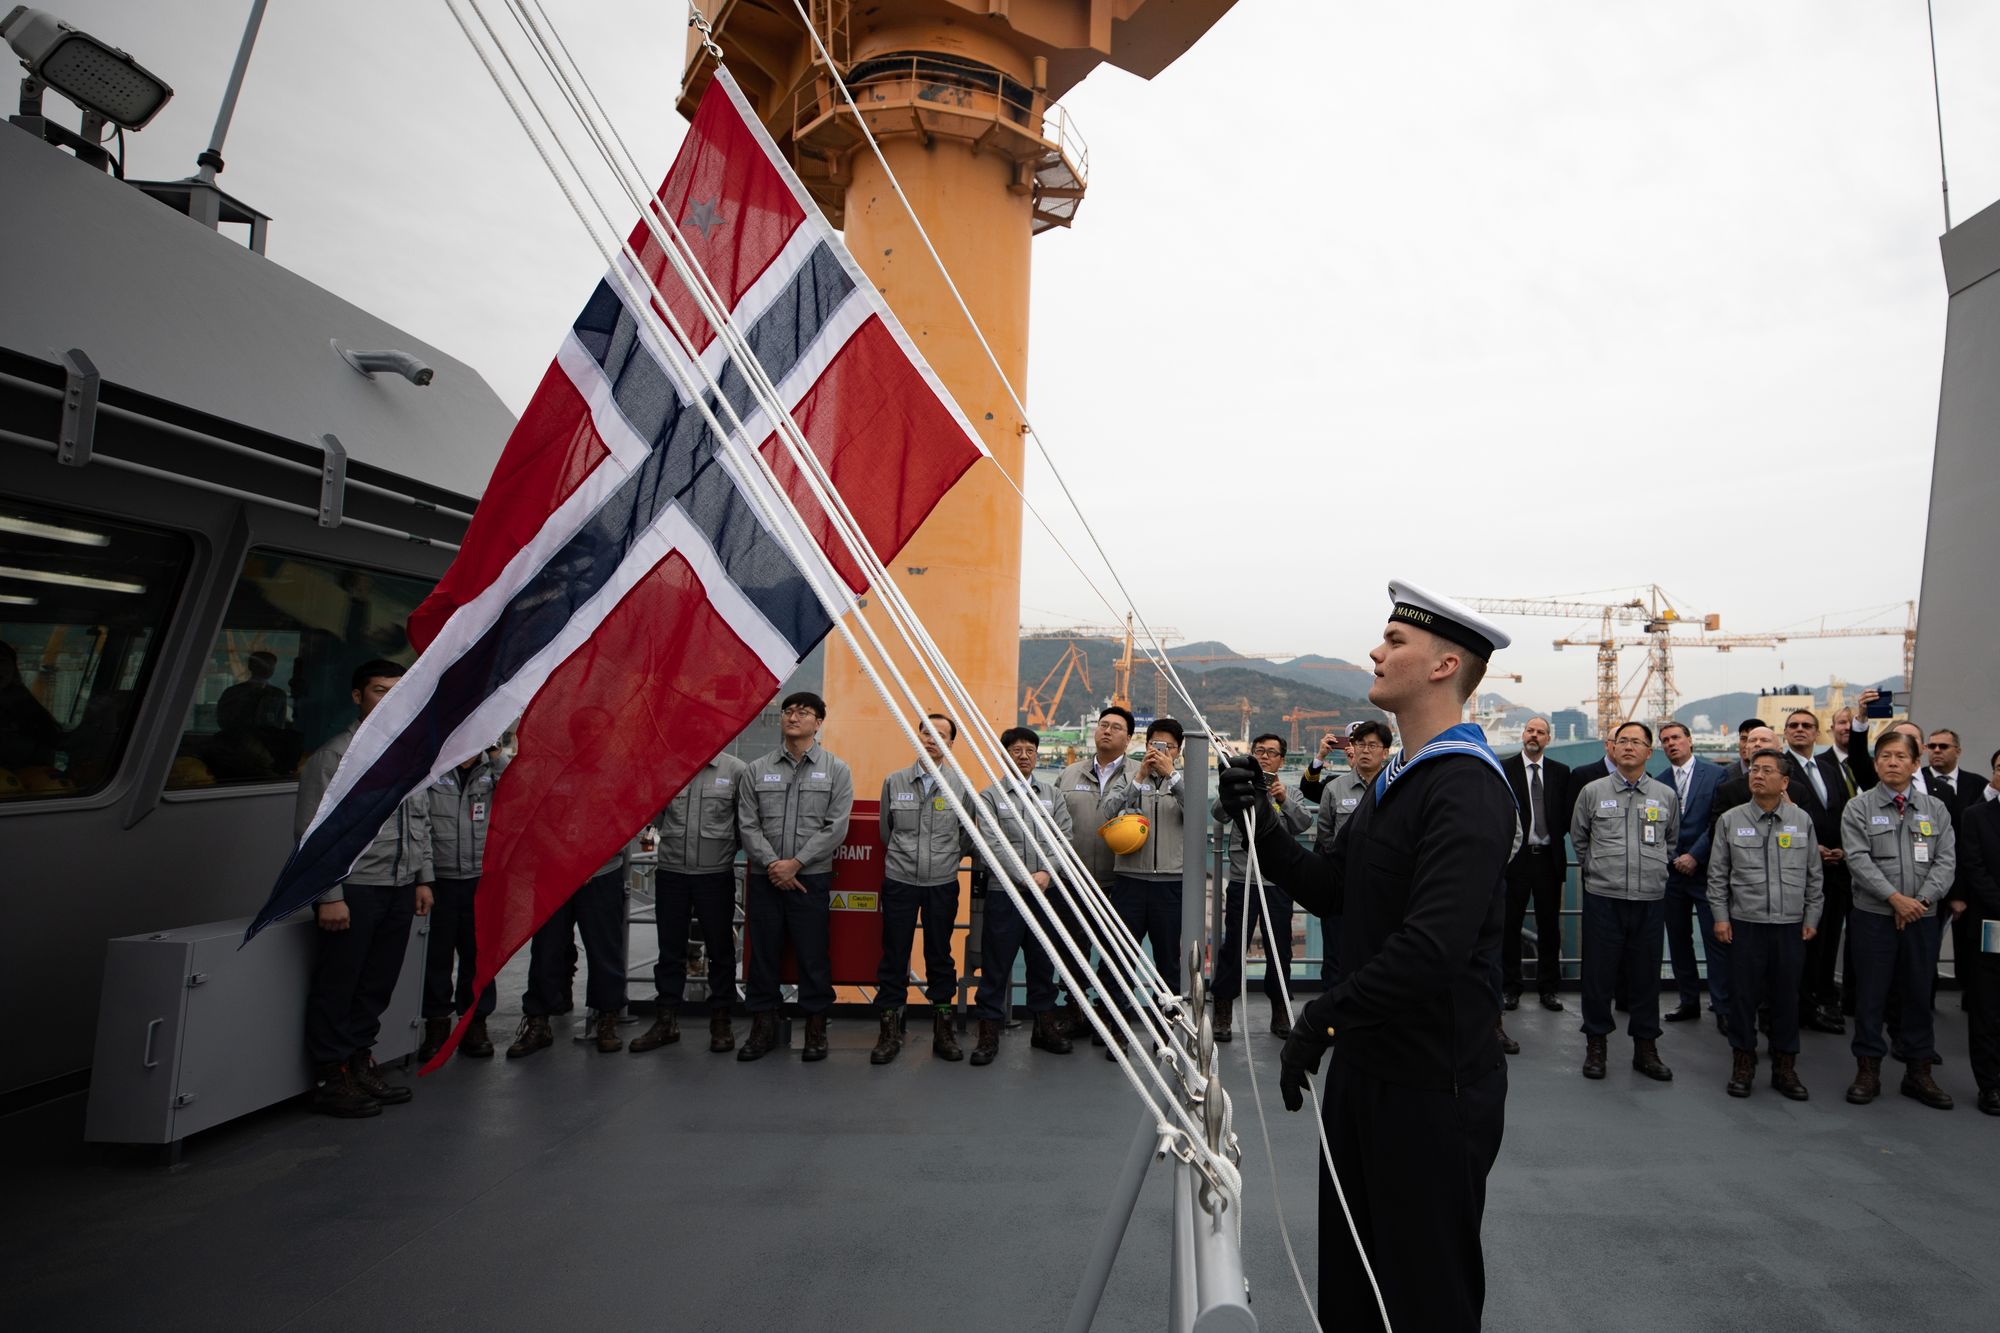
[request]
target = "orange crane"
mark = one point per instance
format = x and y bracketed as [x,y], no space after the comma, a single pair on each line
[1071,663]
[1121,670]
[1298,715]
[1771,639]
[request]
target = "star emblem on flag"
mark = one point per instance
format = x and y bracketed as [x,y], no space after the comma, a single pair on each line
[703,216]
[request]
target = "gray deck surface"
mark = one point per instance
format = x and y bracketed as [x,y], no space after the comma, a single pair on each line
[680,1190]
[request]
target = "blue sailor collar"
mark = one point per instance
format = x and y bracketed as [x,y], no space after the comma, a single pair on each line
[1465,738]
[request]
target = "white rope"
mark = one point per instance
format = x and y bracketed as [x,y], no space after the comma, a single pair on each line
[1216,1167]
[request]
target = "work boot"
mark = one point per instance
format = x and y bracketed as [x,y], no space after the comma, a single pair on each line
[1785,1076]
[815,1039]
[944,1037]
[1989,1100]
[1867,1083]
[476,1043]
[436,1032]
[367,1076]
[988,1044]
[891,1039]
[1743,1073]
[1593,1057]
[1281,1019]
[1507,1043]
[763,1037]
[666,1030]
[606,1025]
[1551,1003]
[1917,1082]
[1224,1016]
[1048,1035]
[1646,1059]
[1074,1022]
[1510,999]
[721,1035]
[337,1095]
[533,1036]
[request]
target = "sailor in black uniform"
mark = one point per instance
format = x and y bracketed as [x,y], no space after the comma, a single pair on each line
[1416,1092]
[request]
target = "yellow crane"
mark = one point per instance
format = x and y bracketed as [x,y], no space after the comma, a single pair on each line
[1121,670]
[1043,714]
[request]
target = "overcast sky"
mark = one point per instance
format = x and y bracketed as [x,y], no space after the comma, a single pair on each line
[1510,299]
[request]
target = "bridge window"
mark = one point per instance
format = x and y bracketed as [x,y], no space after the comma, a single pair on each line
[276,684]
[84,604]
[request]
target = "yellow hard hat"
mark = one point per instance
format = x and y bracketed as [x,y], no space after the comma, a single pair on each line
[1127,833]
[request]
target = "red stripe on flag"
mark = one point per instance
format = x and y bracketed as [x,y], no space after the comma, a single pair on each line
[892,448]
[553,448]
[613,735]
[731,206]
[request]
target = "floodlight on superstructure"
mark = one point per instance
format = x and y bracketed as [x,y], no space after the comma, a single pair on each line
[95,75]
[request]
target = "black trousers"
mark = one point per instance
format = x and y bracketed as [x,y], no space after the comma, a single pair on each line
[1151,910]
[1818,985]
[1900,962]
[1983,1029]
[597,913]
[1534,875]
[1621,942]
[770,917]
[354,971]
[1003,935]
[1277,940]
[1687,911]
[1764,965]
[902,906]
[712,899]
[1964,948]
[451,941]
[1414,1163]
[1072,918]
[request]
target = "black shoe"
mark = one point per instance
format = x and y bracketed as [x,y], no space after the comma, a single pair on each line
[890,1040]
[1989,1100]
[1683,1014]
[1825,1018]
[1551,1003]
[666,1030]
[1281,1022]
[763,1037]
[1646,1059]
[1510,1000]
[1224,1029]
[1048,1035]
[988,1044]
[436,1030]
[944,1041]
[367,1076]
[1593,1057]
[337,1094]
[1507,1043]
[1917,1083]
[477,1044]
[815,1039]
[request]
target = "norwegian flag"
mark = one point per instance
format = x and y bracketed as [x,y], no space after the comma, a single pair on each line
[618,589]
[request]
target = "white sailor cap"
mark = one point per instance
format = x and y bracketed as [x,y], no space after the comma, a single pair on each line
[1447,619]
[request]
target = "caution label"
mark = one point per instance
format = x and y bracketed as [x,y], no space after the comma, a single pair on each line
[853,902]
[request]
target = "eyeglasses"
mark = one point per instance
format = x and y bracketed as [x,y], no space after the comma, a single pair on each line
[1937,745]
[1765,771]
[1366,745]
[1267,752]
[799,710]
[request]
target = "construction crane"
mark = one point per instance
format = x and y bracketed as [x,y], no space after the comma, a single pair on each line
[1772,638]
[1071,663]
[1121,670]
[1298,715]
[1472,703]
[1657,615]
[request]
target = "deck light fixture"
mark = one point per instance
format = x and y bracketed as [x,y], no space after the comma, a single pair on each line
[96,76]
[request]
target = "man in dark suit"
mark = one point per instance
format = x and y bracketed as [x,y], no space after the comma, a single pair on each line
[1823,798]
[1960,791]
[1733,771]
[1735,791]
[1536,870]
[1978,886]
[1695,782]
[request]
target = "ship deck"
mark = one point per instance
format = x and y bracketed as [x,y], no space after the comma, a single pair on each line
[683,1190]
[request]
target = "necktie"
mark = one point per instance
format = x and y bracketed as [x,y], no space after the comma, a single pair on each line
[1818,782]
[1540,830]
[1681,778]
[1847,778]
[1900,802]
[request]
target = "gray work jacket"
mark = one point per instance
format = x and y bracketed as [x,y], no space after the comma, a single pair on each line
[401,852]
[1338,800]
[1162,803]
[461,803]
[922,841]
[1003,807]
[1080,792]
[795,808]
[1609,831]
[1882,848]
[1765,867]
[1290,813]
[698,827]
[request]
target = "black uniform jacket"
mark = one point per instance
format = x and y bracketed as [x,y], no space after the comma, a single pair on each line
[1420,883]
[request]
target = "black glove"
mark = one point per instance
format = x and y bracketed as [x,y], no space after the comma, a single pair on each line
[1300,1057]
[1241,785]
